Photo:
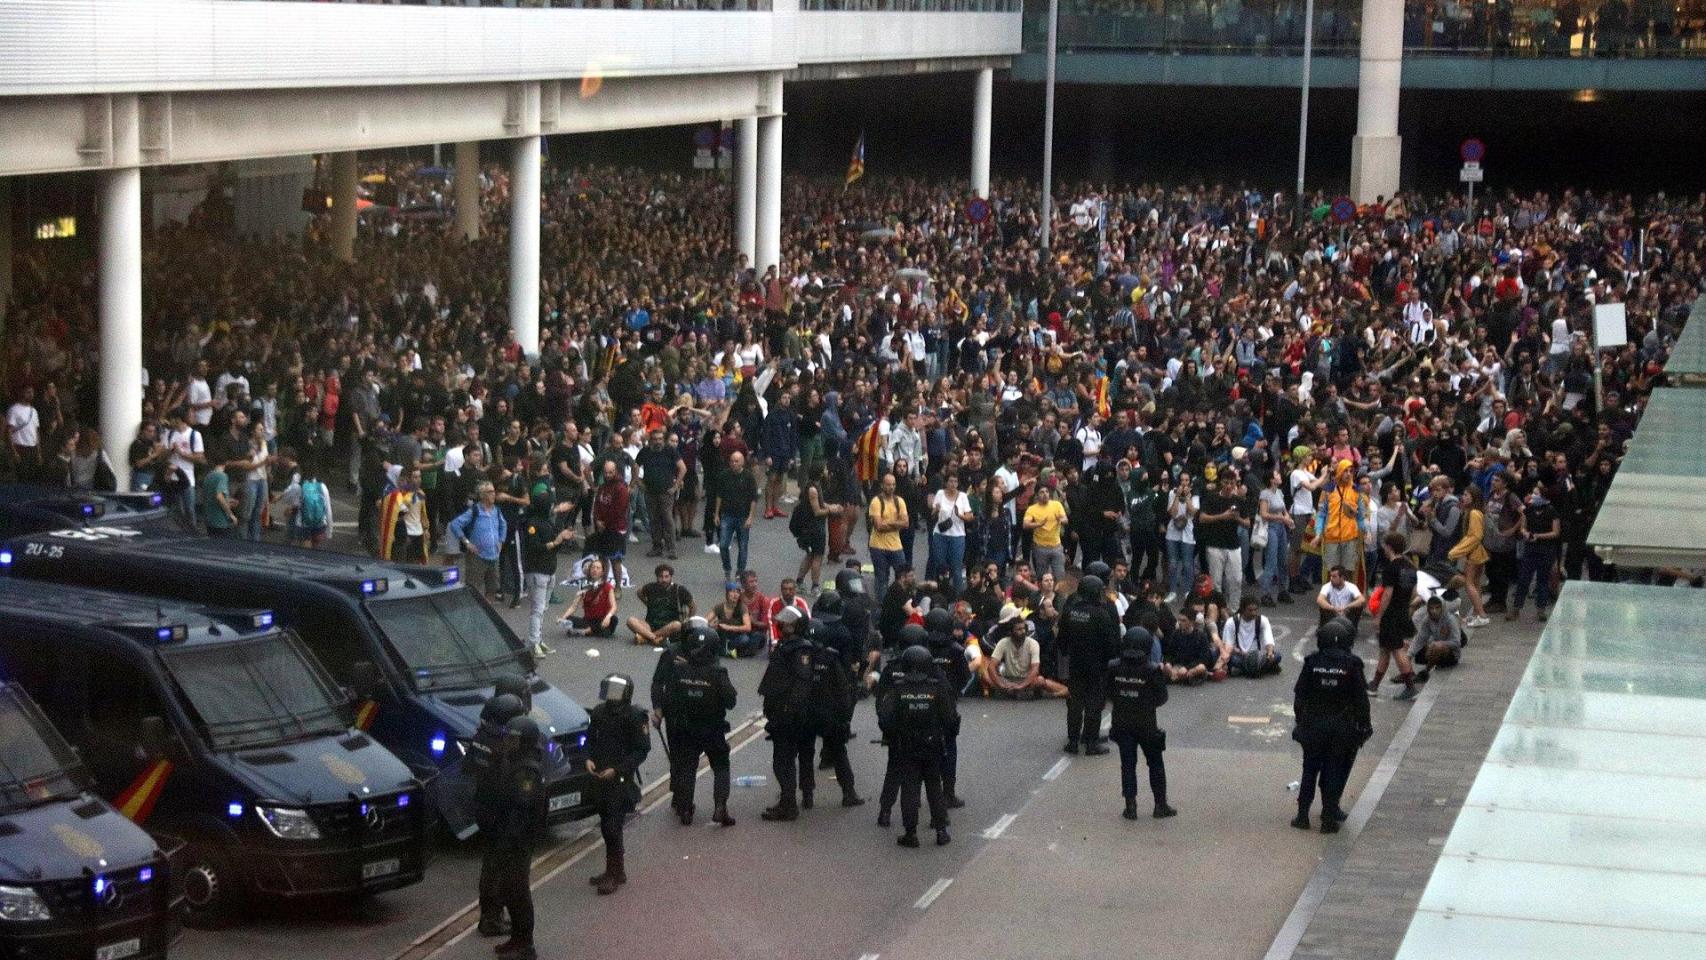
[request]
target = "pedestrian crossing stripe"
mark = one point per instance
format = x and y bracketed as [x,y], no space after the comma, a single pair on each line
[137,800]
[365,713]
[1248,719]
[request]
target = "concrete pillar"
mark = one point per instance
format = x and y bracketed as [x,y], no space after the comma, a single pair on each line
[524,244]
[120,250]
[5,248]
[768,244]
[746,187]
[467,187]
[1377,148]
[982,105]
[344,177]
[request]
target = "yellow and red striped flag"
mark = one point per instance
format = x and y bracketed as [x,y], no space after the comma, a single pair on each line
[865,454]
[1103,405]
[137,801]
[856,164]
[365,713]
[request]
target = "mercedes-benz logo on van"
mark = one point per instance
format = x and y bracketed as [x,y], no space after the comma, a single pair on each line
[111,896]
[374,818]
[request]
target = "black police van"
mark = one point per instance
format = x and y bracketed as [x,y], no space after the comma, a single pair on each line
[216,726]
[421,653]
[77,880]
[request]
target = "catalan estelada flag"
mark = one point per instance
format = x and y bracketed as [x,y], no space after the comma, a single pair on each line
[1103,406]
[856,164]
[137,800]
[865,454]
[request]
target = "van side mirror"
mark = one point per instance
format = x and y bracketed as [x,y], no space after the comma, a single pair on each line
[152,735]
[364,679]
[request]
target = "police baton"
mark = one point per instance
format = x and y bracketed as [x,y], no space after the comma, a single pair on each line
[663,737]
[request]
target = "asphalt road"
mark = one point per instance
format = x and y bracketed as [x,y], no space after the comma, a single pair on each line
[1041,863]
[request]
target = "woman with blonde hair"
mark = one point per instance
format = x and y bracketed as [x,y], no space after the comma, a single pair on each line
[1472,550]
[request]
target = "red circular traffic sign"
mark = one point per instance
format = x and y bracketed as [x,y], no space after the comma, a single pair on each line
[1344,210]
[977,210]
[1472,150]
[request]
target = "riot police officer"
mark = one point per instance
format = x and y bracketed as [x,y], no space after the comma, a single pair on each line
[834,661]
[1332,722]
[515,686]
[617,741]
[1088,635]
[787,690]
[917,715]
[520,809]
[911,635]
[1136,687]
[695,699]
[485,765]
[949,656]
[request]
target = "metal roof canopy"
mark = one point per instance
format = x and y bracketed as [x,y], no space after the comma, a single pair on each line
[1655,512]
[1687,364]
[1581,836]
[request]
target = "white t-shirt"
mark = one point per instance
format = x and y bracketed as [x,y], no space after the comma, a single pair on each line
[942,508]
[1302,498]
[1340,596]
[183,443]
[1187,533]
[1247,636]
[1013,661]
[1273,499]
[200,393]
[1560,336]
[25,424]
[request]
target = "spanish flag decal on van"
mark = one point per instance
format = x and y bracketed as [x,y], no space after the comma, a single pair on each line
[137,801]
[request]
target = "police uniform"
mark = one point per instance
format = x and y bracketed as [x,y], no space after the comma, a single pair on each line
[520,807]
[910,635]
[1136,687]
[917,715]
[1088,633]
[484,764]
[695,700]
[617,741]
[787,691]
[949,658]
[1332,722]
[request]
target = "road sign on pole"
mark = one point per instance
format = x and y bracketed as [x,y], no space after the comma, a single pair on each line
[977,210]
[1472,151]
[1471,173]
[1344,210]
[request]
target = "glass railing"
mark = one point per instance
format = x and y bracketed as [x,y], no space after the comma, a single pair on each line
[1539,29]
[571,4]
[913,6]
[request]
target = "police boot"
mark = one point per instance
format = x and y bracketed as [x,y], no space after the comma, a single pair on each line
[942,838]
[909,840]
[1071,746]
[1130,809]
[1095,748]
[1301,821]
[686,814]
[883,818]
[1163,811]
[721,815]
[805,799]
[513,949]
[614,875]
[780,813]
[950,799]
[493,927]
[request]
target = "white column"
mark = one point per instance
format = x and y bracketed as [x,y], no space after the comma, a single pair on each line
[344,175]
[524,244]
[5,248]
[982,104]
[467,187]
[1377,148]
[768,244]
[746,187]
[120,250]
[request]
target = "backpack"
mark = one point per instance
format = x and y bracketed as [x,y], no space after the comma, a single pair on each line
[799,522]
[312,514]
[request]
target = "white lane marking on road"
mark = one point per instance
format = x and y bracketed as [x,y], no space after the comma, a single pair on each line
[930,895]
[869,956]
[1058,768]
[1000,826]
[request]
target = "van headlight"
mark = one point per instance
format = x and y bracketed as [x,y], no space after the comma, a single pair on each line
[288,823]
[22,904]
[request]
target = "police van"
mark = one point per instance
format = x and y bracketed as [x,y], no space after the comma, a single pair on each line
[31,509]
[76,879]
[216,726]
[421,653]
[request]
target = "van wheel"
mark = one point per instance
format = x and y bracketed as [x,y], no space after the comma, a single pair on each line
[213,887]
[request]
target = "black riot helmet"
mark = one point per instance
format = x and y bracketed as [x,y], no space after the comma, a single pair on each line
[916,659]
[699,644]
[828,607]
[1091,587]
[847,583]
[525,730]
[1335,634]
[616,688]
[912,635]
[1100,570]
[517,687]
[1137,643]
[501,709]
[939,620]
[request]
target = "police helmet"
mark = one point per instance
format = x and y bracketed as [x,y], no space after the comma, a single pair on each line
[916,658]
[525,729]
[848,583]
[1091,587]
[501,709]
[517,687]
[828,607]
[1099,569]
[1335,634]
[1138,642]
[616,688]
[939,620]
[699,640]
[913,635]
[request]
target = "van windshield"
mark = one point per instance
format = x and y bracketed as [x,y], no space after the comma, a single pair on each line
[35,764]
[255,692]
[448,639]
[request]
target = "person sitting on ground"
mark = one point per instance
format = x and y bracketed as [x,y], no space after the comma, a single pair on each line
[1439,639]
[668,605]
[596,601]
[1248,642]
[734,625]
[1014,667]
[757,604]
[786,598]
[1189,652]
[1339,597]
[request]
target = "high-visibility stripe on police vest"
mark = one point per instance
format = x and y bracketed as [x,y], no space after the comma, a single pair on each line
[137,800]
[365,713]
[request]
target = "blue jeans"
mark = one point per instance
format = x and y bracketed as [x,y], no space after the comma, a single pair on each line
[948,558]
[1181,566]
[732,531]
[883,563]
[1273,559]
[1534,571]
[254,497]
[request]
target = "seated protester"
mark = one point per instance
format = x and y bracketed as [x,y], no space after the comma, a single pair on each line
[596,602]
[901,605]
[1339,597]
[668,605]
[1439,638]
[1153,601]
[1212,601]
[983,591]
[1014,667]
[733,623]
[1189,652]
[1248,642]
[757,604]
[785,599]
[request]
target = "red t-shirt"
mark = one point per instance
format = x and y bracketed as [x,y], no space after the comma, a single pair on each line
[610,507]
[596,601]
